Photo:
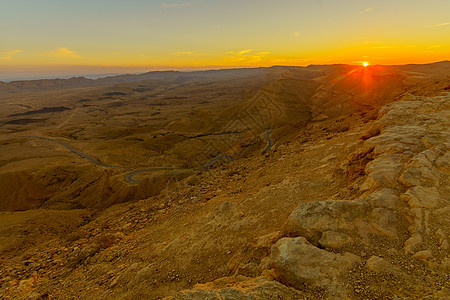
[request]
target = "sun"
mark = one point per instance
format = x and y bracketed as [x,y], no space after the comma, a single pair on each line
[365,64]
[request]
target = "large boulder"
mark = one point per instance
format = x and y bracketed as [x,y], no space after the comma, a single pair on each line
[297,263]
[240,288]
[312,219]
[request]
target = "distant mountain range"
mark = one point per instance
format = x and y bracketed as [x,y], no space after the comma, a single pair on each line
[83,81]
[76,82]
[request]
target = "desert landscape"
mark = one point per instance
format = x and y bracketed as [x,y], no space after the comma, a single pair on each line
[319,182]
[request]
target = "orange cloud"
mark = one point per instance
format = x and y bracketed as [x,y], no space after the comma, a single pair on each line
[10,54]
[245,51]
[245,56]
[64,52]
[440,24]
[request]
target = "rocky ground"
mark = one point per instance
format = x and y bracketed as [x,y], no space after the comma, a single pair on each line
[365,219]
[390,241]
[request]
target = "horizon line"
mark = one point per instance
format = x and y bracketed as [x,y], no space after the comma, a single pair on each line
[172,69]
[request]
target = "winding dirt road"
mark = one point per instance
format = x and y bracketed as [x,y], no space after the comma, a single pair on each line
[129,177]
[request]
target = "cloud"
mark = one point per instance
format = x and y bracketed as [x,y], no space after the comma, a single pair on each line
[245,56]
[245,51]
[64,52]
[296,34]
[366,10]
[177,5]
[8,55]
[440,24]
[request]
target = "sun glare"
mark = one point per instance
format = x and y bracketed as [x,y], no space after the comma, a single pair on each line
[365,64]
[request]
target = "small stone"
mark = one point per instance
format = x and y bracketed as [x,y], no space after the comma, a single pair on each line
[380,265]
[423,255]
[413,241]
[444,245]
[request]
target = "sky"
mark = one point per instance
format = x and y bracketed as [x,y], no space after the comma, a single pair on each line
[60,37]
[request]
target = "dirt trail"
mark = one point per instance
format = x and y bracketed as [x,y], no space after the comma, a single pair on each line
[129,177]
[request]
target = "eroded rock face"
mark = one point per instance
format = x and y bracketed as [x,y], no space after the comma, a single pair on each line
[383,172]
[399,221]
[403,194]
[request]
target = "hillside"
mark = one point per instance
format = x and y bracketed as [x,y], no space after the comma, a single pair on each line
[324,182]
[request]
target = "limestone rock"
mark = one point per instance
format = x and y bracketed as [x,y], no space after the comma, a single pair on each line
[245,288]
[384,221]
[419,196]
[419,176]
[334,240]
[420,170]
[382,172]
[386,197]
[413,241]
[396,113]
[311,219]
[398,139]
[442,239]
[296,262]
[380,265]
[423,255]
[444,245]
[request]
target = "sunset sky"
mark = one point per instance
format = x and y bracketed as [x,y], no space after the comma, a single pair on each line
[58,37]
